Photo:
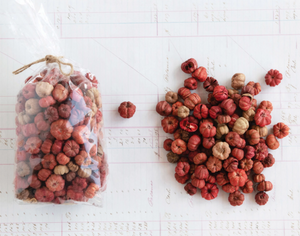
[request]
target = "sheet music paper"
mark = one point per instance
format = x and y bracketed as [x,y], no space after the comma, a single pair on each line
[135,48]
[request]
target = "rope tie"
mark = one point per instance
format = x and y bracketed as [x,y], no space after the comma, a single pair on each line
[48,59]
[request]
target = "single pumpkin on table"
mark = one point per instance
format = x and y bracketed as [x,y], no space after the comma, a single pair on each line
[189,66]
[126,109]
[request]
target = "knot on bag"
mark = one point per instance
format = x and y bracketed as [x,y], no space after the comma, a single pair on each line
[48,59]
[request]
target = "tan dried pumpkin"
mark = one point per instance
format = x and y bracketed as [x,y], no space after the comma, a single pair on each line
[232,91]
[32,106]
[43,89]
[73,167]
[24,118]
[23,169]
[61,170]
[183,112]
[249,114]
[238,81]
[240,126]
[94,95]
[93,110]
[222,129]
[221,150]
[263,131]
[84,173]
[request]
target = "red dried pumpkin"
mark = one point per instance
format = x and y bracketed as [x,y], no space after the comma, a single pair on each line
[51,114]
[245,103]
[178,146]
[49,162]
[249,152]
[182,168]
[267,105]
[169,124]
[168,144]
[248,89]
[220,93]
[200,74]
[273,78]
[182,179]
[262,117]
[189,66]
[41,123]
[44,195]
[29,130]
[210,83]
[33,145]
[236,198]
[62,159]
[194,142]
[163,108]
[198,183]
[209,191]
[199,158]
[61,129]
[256,86]
[268,161]
[246,164]
[200,111]
[248,187]
[64,110]
[71,148]
[232,138]
[46,146]
[224,119]
[237,153]
[60,93]
[280,130]
[211,100]
[237,178]
[192,100]
[228,106]
[252,137]
[184,92]
[190,83]
[228,188]
[81,134]
[207,129]
[272,142]
[29,91]
[257,167]
[215,111]
[46,101]
[188,124]
[261,151]
[222,178]
[208,143]
[214,164]
[230,164]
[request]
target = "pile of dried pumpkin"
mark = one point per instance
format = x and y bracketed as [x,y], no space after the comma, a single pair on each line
[221,142]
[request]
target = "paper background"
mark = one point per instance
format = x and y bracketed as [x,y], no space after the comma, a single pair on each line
[135,48]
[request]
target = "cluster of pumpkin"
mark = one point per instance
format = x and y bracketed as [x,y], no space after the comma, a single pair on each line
[221,142]
[59,129]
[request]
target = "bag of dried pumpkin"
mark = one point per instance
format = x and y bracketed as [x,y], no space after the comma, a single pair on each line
[60,155]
